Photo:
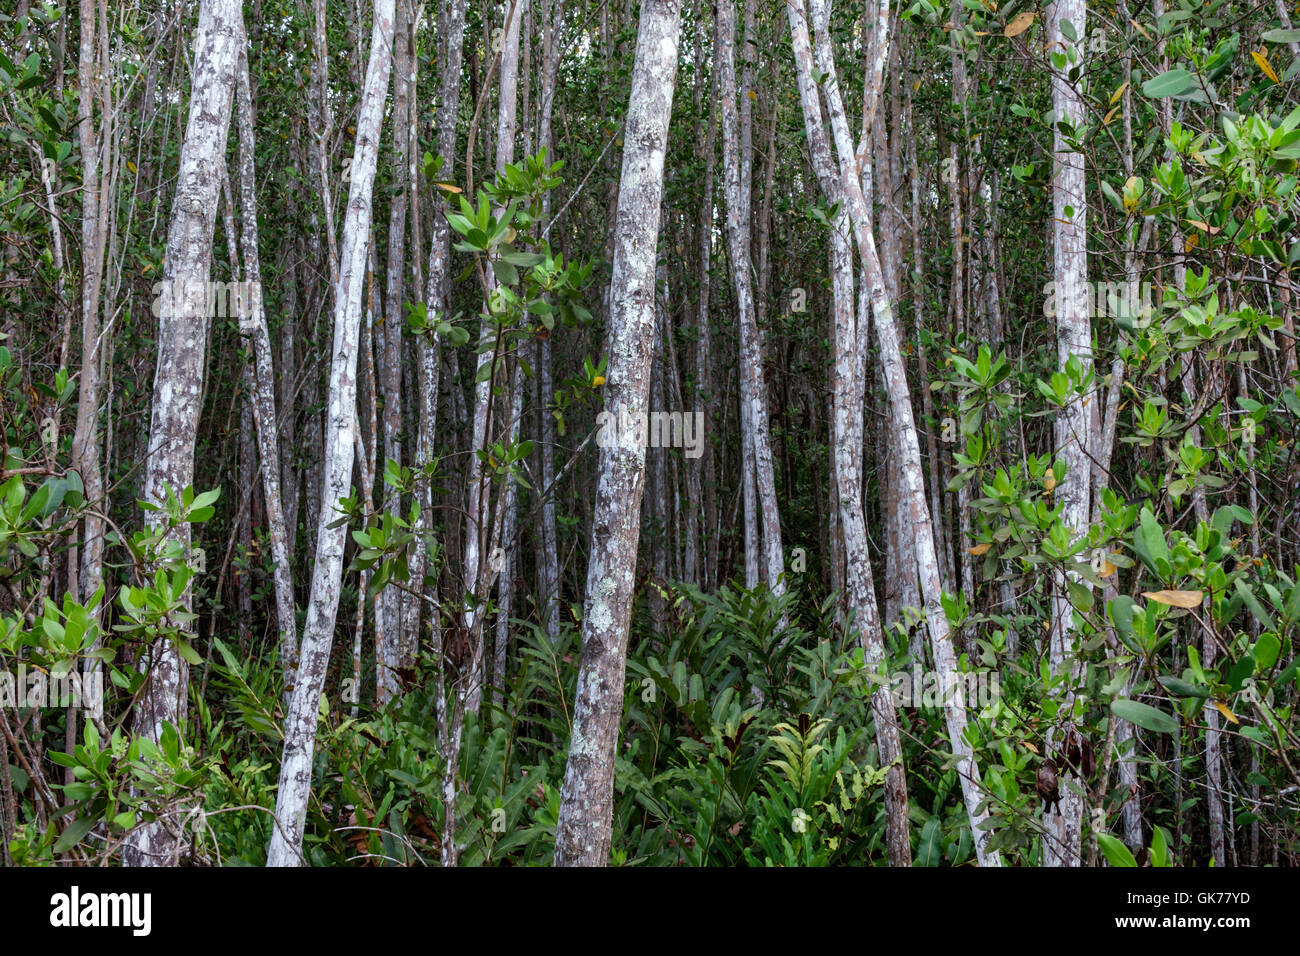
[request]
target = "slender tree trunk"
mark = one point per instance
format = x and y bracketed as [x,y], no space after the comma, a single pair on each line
[322,610]
[182,338]
[94,215]
[478,572]
[265,418]
[388,610]
[583,828]
[548,562]
[753,387]
[1063,826]
[851,163]
[705,466]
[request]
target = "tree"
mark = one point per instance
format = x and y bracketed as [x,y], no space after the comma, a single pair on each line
[322,608]
[182,340]
[582,835]
[1074,423]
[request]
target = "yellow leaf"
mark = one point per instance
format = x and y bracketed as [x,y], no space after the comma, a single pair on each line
[1223,709]
[753,95]
[1107,569]
[448,187]
[1111,115]
[1175,598]
[1132,193]
[130,165]
[598,380]
[1019,25]
[1119,92]
[1262,59]
[1212,230]
[1028,746]
[1049,480]
[979,549]
[1137,26]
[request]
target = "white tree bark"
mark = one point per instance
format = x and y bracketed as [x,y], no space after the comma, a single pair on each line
[318,633]
[265,419]
[582,836]
[851,162]
[548,557]
[478,574]
[451,29]
[1073,430]
[182,341]
[753,389]
[388,603]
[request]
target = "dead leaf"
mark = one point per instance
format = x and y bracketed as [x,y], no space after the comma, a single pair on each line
[1175,598]
[1019,25]
[979,549]
[1212,230]
[1223,709]
[448,187]
[1262,60]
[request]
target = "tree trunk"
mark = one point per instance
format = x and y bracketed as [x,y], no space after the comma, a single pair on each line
[1063,826]
[388,603]
[753,387]
[895,382]
[583,828]
[265,419]
[322,610]
[182,339]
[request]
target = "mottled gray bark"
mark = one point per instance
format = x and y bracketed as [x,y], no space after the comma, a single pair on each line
[1073,429]
[178,382]
[322,610]
[753,387]
[851,163]
[583,829]
[264,411]
[846,452]
[388,603]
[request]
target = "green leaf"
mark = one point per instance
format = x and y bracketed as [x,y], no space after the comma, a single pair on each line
[1144,716]
[73,833]
[1181,688]
[189,653]
[1280,36]
[1252,602]
[928,848]
[1169,83]
[1116,852]
[1149,542]
[1267,649]
[1159,847]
